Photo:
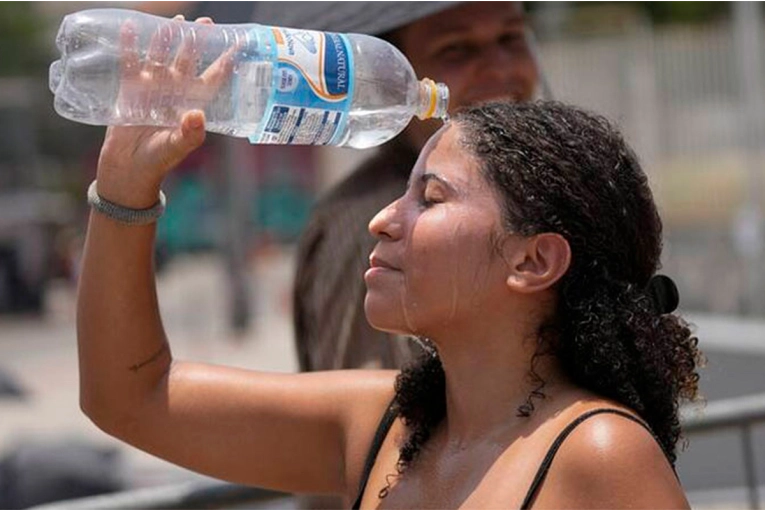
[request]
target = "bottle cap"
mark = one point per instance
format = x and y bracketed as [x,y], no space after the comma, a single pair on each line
[437,99]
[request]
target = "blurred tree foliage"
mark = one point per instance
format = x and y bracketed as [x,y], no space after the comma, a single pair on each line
[21,32]
[685,12]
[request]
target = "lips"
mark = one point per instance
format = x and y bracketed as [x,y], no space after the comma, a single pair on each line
[377,262]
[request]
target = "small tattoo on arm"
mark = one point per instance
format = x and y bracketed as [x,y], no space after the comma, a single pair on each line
[154,357]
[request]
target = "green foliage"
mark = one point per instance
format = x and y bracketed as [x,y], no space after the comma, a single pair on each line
[21,32]
[685,12]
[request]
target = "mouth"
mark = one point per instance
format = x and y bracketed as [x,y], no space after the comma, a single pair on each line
[376,262]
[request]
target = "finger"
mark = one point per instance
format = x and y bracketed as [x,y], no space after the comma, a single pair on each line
[186,58]
[157,56]
[129,50]
[221,69]
[190,135]
[193,125]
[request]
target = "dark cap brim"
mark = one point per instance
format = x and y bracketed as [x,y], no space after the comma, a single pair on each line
[372,18]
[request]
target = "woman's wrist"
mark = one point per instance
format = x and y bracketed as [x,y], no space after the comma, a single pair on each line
[133,195]
[122,214]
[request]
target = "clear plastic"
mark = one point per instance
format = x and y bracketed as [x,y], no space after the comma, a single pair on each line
[122,67]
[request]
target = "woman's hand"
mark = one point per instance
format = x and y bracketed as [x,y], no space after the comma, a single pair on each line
[135,159]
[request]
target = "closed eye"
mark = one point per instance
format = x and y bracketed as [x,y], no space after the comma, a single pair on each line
[434,190]
[428,202]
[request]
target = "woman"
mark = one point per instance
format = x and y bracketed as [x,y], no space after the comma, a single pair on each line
[523,251]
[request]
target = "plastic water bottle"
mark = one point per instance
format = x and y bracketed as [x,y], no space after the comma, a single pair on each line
[269,84]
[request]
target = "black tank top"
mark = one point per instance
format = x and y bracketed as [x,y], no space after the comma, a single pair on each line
[544,467]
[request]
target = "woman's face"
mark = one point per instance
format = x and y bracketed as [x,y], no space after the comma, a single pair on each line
[437,263]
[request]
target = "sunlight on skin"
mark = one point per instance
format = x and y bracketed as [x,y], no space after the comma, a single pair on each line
[465,221]
[456,228]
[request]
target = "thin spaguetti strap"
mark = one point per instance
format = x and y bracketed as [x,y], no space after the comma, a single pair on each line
[382,431]
[544,467]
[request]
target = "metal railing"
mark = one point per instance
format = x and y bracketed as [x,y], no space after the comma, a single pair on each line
[739,412]
[188,495]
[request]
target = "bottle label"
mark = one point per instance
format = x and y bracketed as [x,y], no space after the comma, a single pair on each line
[312,88]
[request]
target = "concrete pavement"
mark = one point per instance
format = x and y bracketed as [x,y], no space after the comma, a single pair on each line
[41,353]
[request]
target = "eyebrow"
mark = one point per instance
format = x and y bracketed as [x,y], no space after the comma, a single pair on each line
[430,176]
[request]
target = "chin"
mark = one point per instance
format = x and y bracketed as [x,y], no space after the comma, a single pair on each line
[382,318]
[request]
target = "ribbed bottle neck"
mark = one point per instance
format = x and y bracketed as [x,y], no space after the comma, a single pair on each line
[433,100]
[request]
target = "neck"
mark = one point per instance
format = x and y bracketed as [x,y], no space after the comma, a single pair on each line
[486,386]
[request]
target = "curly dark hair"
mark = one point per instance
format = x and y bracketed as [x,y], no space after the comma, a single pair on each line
[563,170]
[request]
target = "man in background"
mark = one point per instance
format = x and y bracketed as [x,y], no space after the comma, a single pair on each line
[481,51]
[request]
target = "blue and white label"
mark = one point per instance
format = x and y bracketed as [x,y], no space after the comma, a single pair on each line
[313,88]
[286,80]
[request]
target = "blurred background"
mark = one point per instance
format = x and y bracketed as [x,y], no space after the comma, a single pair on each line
[684,80]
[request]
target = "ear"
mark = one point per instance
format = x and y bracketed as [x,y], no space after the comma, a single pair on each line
[538,262]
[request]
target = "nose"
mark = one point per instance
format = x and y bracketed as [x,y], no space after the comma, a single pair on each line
[386,225]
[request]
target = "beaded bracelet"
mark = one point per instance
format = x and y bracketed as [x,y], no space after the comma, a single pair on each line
[123,214]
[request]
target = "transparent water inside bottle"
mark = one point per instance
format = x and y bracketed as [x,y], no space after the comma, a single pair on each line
[90,86]
[385,95]
[95,84]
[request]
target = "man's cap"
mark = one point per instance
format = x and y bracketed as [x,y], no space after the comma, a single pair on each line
[374,18]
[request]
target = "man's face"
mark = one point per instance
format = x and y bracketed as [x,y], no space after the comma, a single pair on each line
[479,50]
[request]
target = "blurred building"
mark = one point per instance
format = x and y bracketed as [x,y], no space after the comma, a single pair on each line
[32,214]
[690,99]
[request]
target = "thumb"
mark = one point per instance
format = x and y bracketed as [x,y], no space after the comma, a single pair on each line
[190,135]
[192,130]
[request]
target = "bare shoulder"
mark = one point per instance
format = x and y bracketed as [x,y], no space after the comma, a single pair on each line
[610,461]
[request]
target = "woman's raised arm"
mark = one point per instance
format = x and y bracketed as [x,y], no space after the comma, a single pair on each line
[282,431]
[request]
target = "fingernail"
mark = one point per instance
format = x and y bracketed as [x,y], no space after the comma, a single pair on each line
[179,17]
[196,121]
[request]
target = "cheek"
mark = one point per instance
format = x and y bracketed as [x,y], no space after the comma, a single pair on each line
[449,268]
[527,76]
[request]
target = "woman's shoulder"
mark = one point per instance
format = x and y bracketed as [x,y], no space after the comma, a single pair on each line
[607,456]
[603,433]
[599,433]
